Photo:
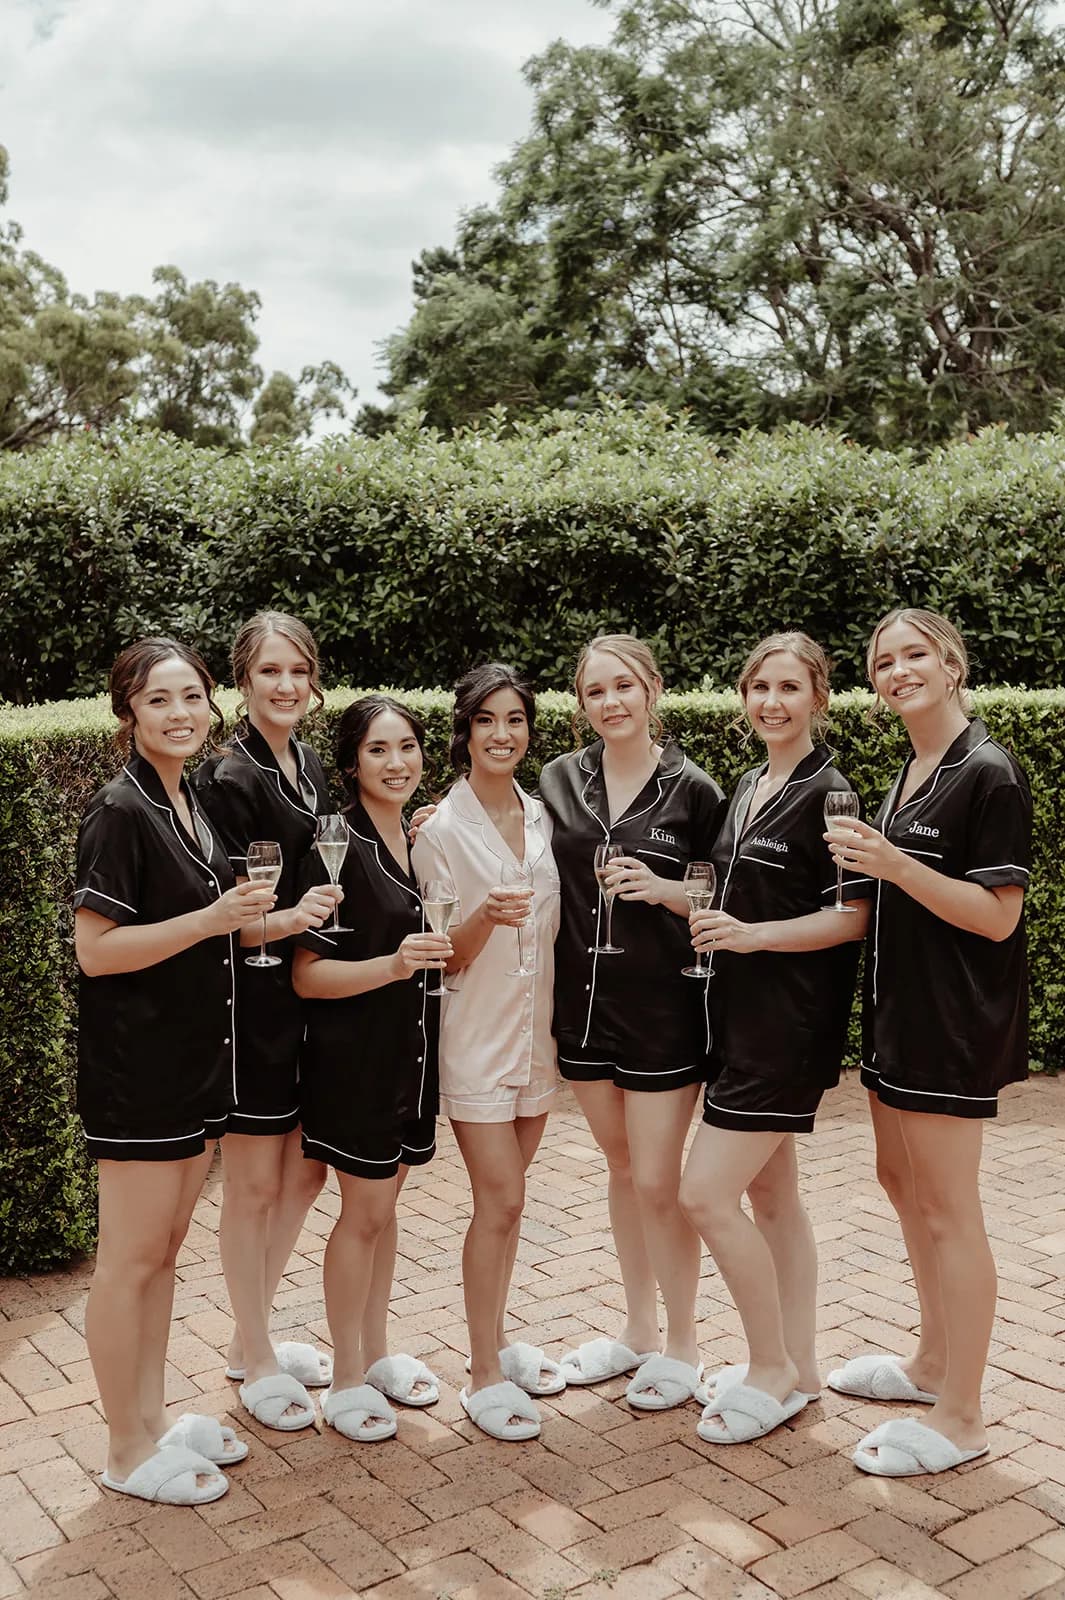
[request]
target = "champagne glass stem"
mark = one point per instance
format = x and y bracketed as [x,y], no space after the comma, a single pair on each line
[699,965]
[262,942]
[521,948]
[609,918]
[839,886]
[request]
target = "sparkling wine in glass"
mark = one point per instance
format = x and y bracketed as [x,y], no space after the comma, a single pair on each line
[841,805]
[518,875]
[440,903]
[331,843]
[700,881]
[605,856]
[264,866]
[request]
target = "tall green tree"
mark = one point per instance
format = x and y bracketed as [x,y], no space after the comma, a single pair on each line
[66,363]
[848,212]
[181,361]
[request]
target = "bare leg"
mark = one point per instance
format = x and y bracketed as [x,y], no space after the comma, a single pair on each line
[496,1167]
[782,1221]
[927,1367]
[721,1165]
[251,1183]
[367,1206]
[159,1299]
[657,1126]
[604,1108]
[945,1159]
[297,1186]
[530,1130]
[140,1203]
[375,1320]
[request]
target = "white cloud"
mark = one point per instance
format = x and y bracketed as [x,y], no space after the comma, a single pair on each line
[308,152]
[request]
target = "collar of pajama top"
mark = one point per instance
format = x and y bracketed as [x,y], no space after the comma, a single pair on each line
[306,796]
[594,795]
[201,844]
[468,808]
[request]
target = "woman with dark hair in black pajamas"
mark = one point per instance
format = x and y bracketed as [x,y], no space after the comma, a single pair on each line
[369,1085]
[156,909]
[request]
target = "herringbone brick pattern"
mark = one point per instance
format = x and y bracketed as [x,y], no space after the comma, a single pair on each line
[606,1505]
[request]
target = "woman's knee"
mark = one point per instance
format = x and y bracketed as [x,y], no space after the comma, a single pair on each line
[305,1183]
[499,1206]
[896,1179]
[773,1197]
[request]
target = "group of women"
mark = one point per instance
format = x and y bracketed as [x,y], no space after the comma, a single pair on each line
[339,1055]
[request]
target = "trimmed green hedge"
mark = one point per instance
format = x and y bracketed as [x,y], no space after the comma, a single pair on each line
[411,555]
[54,757]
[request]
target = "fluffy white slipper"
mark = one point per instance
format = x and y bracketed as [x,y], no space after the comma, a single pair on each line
[742,1414]
[169,1479]
[531,1370]
[396,1377]
[207,1436]
[269,1398]
[362,1413]
[878,1378]
[597,1360]
[907,1448]
[491,1409]
[304,1362]
[727,1378]
[674,1382]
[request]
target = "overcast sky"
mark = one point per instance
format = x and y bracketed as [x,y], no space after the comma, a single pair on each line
[306,150]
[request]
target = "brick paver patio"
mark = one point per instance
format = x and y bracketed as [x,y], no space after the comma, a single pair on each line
[606,1505]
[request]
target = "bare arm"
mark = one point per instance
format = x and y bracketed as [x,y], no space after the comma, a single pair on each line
[104,948]
[991,913]
[818,930]
[321,977]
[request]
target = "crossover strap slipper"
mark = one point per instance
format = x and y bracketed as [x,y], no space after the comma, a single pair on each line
[742,1414]
[878,1378]
[269,1398]
[728,1377]
[397,1376]
[662,1382]
[169,1479]
[907,1448]
[207,1436]
[361,1413]
[531,1370]
[597,1360]
[495,1408]
[304,1362]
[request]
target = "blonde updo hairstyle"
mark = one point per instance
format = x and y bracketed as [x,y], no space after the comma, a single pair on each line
[251,638]
[639,659]
[813,658]
[945,640]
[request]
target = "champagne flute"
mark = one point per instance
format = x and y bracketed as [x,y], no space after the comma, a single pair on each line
[264,866]
[605,856]
[440,902]
[700,881]
[331,843]
[840,806]
[518,874]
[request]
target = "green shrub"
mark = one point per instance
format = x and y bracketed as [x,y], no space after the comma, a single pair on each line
[54,757]
[413,555]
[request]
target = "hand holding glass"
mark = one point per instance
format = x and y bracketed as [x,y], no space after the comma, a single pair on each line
[331,842]
[700,881]
[440,903]
[517,875]
[841,805]
[605,856]
[264,867]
